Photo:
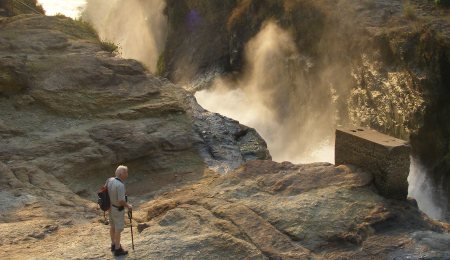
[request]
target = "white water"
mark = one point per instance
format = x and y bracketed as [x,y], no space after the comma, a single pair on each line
[69,8]
[255,98]
[138,27]
[274,97]
[421,188]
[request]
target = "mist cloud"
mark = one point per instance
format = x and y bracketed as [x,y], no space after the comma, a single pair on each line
[275,97]
[138,27]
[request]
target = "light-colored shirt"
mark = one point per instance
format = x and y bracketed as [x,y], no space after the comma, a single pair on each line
[116,191]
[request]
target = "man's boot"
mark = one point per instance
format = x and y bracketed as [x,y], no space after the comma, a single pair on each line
[120,251]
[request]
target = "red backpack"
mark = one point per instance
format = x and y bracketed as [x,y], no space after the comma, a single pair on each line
[103,198]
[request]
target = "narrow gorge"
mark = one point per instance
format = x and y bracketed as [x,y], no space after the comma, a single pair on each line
[226,114]
[295,70]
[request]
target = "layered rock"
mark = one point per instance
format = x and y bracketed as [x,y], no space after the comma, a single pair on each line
[16,7]
[381,64]
[273,210]
[72,111]
[263,210]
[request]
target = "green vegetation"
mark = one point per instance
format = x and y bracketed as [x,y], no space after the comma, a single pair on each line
[82,29]
[78,28]
[160,65]
[60,15]
[109,46]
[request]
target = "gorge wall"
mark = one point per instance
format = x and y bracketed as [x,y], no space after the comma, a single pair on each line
[381,64]
[72,110]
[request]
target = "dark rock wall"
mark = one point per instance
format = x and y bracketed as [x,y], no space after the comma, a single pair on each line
[388,61]
[197,39]
[421,58]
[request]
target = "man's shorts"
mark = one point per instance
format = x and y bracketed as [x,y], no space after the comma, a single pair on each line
[116,219]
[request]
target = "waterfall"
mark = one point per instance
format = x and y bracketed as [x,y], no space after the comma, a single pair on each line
[138,27]
[275,96]
[69,8]
[421,189]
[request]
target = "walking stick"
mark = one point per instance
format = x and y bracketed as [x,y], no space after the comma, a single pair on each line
[130,216]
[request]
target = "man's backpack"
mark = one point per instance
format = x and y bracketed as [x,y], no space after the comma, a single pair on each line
[103,198]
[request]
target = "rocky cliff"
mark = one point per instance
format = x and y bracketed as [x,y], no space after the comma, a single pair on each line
[72,110]
[382,64]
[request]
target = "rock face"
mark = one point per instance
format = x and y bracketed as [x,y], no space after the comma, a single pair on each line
[71,112]
[271,210]
[388,61]
[14,7]
[263,210]
[387,158]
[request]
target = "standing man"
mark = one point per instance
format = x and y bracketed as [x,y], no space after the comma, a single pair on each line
[116,191]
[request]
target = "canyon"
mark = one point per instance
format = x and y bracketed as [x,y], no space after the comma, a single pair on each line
[205,185]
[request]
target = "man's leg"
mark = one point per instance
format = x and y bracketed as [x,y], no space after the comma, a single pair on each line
[112,229]
[112,232]
[119,224]
[117,239]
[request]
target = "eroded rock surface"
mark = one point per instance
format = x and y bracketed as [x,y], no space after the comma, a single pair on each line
[292,212]
[71,112]
[264,210]
[384,64]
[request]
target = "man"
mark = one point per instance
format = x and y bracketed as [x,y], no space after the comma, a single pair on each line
[116,191]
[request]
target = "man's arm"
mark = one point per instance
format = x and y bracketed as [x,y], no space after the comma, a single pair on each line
[121,196]
[125,204]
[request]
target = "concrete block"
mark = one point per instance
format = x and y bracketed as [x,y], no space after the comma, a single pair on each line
[386,157]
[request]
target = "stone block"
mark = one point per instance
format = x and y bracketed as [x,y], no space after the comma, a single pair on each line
[386,157]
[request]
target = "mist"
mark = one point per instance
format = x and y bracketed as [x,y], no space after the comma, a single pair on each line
[71,8]
[138,27]
[426,194]
[275,96]
[295,113]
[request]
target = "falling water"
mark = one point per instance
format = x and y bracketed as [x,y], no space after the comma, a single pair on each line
[421,189]
[69,8]
[274,96]
[138,27]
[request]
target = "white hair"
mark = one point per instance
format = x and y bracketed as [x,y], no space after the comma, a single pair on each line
[121,169]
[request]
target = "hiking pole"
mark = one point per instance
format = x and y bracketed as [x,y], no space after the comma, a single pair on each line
[130,216]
